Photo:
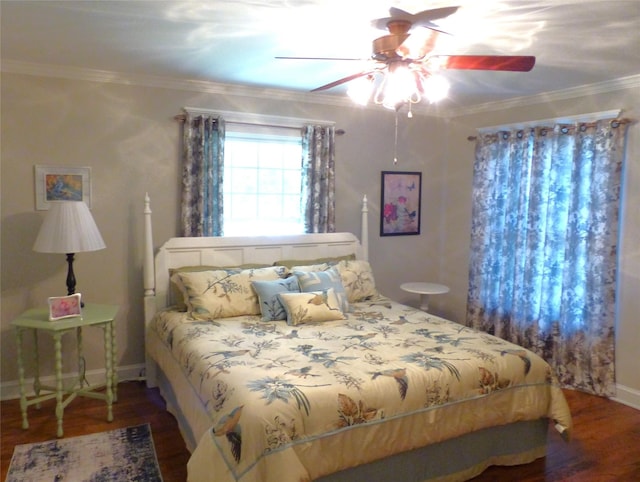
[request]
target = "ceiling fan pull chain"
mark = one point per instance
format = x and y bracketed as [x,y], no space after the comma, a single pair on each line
[395,143]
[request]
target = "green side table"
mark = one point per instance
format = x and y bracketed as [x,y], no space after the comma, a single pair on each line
[36,320]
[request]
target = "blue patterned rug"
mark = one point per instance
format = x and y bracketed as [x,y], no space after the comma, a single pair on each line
[125,454]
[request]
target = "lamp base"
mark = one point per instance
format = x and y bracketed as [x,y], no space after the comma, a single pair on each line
[71,278]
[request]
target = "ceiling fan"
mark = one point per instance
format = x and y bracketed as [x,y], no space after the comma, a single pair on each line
[408,67]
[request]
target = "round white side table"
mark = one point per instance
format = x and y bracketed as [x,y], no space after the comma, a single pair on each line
[424,289]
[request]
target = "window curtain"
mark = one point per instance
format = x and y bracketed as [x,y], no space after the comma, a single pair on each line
[202,175]
[544,239]
[318,178]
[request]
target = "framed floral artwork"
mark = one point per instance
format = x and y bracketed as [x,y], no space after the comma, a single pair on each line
[62,184]
[400,199]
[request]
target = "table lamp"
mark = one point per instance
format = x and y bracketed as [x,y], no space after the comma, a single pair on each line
[68,228]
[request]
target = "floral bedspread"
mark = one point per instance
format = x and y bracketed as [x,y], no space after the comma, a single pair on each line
[293,403]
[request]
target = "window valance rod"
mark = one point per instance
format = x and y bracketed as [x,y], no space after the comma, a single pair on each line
[244,118]
[591,117]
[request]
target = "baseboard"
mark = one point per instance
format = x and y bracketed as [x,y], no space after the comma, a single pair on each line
[11,390]
[627,396]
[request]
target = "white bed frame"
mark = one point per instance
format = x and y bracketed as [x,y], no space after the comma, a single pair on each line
[232,251]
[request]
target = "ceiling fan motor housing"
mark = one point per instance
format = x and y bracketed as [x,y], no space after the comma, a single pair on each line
[385,47]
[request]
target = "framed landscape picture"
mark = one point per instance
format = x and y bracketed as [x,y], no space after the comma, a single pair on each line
[400,199]
[62,184]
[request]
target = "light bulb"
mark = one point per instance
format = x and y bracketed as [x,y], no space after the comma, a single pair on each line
[435,88]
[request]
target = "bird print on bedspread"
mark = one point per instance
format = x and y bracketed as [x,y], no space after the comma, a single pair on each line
[399,375]
[522,354]
[230,428]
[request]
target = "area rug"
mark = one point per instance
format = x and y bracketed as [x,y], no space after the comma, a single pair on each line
[125,454]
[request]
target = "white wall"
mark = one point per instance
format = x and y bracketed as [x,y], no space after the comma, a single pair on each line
[127,135]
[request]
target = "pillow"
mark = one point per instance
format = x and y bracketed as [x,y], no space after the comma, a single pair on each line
[268,291]
[323,280]
[176,290]
[311,307]
[311,267]
[223,293]
[290,263]
[357,279]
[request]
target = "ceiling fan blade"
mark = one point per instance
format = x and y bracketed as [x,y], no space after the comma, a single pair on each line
[423,18]
[514,63]
[317,58]
[335,83]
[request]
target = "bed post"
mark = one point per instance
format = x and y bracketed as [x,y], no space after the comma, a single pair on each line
[364,235]
[148,273]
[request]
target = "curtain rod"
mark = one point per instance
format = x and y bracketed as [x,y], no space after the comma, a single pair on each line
[596,116]
[338,132]
[590,117]
[254,119]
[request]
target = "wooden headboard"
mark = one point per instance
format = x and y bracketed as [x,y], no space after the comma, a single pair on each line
[234,251]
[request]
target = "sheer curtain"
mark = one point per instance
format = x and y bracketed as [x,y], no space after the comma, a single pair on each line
[544,245]
[318,178]
[202,175]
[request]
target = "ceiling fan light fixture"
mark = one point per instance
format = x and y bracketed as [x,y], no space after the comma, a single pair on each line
[435,88]
[360,89]
[400,85]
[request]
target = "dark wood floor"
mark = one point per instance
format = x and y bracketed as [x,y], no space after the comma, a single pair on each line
[605,446]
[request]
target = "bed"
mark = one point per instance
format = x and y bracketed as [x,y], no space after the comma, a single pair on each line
[282,362]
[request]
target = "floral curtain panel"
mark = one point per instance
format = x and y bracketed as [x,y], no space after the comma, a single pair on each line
[544,245]
[202,175]
[318,178]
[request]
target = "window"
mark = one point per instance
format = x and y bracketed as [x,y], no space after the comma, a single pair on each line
[262,182]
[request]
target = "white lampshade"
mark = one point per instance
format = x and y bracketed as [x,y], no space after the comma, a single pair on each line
[68,228]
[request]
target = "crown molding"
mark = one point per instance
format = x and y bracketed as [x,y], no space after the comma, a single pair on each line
[632,81]
[105,76]
[201,86]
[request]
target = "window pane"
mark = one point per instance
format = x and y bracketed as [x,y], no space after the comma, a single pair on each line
[270,181]
[243,207]
[262,184]
[241,153]
[243,181]
[292,156]
[270,207]
[291,182]
[291,208]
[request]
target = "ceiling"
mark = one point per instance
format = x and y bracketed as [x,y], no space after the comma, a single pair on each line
[576,42]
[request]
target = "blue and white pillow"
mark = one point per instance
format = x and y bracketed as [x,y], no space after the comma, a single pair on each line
[270,305]
[323,280]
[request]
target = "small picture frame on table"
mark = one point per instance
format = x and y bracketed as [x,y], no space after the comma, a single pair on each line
[64,307]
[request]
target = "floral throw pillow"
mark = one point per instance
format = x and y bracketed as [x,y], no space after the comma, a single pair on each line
[223,293]
[358,281]
[311,307]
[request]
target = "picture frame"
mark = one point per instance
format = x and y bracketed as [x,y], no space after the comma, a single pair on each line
[55,183]
[401,194]
[69,306]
